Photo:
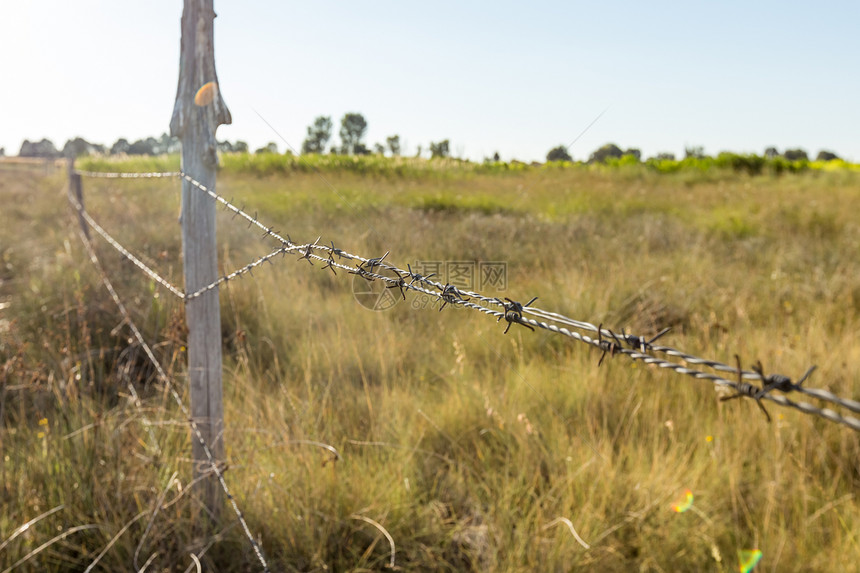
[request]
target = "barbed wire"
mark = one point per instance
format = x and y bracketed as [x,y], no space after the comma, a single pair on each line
[512,312]
[162,375]
[120,175]
[608,341]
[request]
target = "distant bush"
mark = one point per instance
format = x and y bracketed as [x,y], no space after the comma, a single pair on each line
[44,148]
[440,150]
[270,147]
[558,154]
[266,164]
[735,162]
[79,147]
[826,156]
[694,152]
[625,160]
[796,155]
[318,135]
[605,152]
[751,164]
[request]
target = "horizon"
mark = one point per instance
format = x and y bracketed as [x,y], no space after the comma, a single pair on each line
[504,79]
[811,155]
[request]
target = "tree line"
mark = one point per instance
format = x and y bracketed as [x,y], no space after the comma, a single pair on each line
[79,146]
[610,151]
[353,128]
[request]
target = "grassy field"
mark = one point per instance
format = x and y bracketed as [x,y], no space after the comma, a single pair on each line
[465,444]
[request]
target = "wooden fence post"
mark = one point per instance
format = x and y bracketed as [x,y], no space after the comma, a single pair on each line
[194,121]
[76,188]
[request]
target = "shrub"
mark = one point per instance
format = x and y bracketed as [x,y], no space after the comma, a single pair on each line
[558,154]
[605,152]
[742,163]
[796,155]
[826,156]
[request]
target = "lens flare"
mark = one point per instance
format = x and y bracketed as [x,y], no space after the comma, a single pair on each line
[205,94]
[687,503]
[748,559]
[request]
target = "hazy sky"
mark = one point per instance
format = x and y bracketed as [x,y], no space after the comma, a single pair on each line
[517,78]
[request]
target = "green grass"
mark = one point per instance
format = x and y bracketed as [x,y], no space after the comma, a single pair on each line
[464,443]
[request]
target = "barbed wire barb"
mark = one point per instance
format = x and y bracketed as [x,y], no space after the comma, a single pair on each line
[745,389]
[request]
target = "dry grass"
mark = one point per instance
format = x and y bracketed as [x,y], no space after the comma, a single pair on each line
[463,443]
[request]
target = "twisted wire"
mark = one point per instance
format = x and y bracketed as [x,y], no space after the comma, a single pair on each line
[237,273]
[550,321]
[162,375]
[804,407]
[122,250]
[821,394]
[456,296]
[114,175]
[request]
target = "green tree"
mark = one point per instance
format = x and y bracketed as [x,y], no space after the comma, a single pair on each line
[558,154]
[168,144]
[2,152]
[771,152]
[635,153]
[270,147]
[603,153]
[44,148]
[240,147]
[695,152]
[441,149]
[665,156]
[379,149]
[826,156]
[393,142]
[146,146]
[120,146]
[352,129]
[796,155]
[77,147]
[318,135]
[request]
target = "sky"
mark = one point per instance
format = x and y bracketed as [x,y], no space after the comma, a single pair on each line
[513,78]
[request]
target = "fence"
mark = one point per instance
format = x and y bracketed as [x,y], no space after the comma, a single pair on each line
[755,384]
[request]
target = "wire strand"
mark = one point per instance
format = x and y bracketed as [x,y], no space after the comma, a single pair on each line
[162,375]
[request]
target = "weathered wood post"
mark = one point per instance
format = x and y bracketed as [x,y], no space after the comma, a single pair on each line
[76,189]
[194,121]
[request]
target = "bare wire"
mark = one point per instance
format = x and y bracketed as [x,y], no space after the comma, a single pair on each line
[162,375]
[122,250]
